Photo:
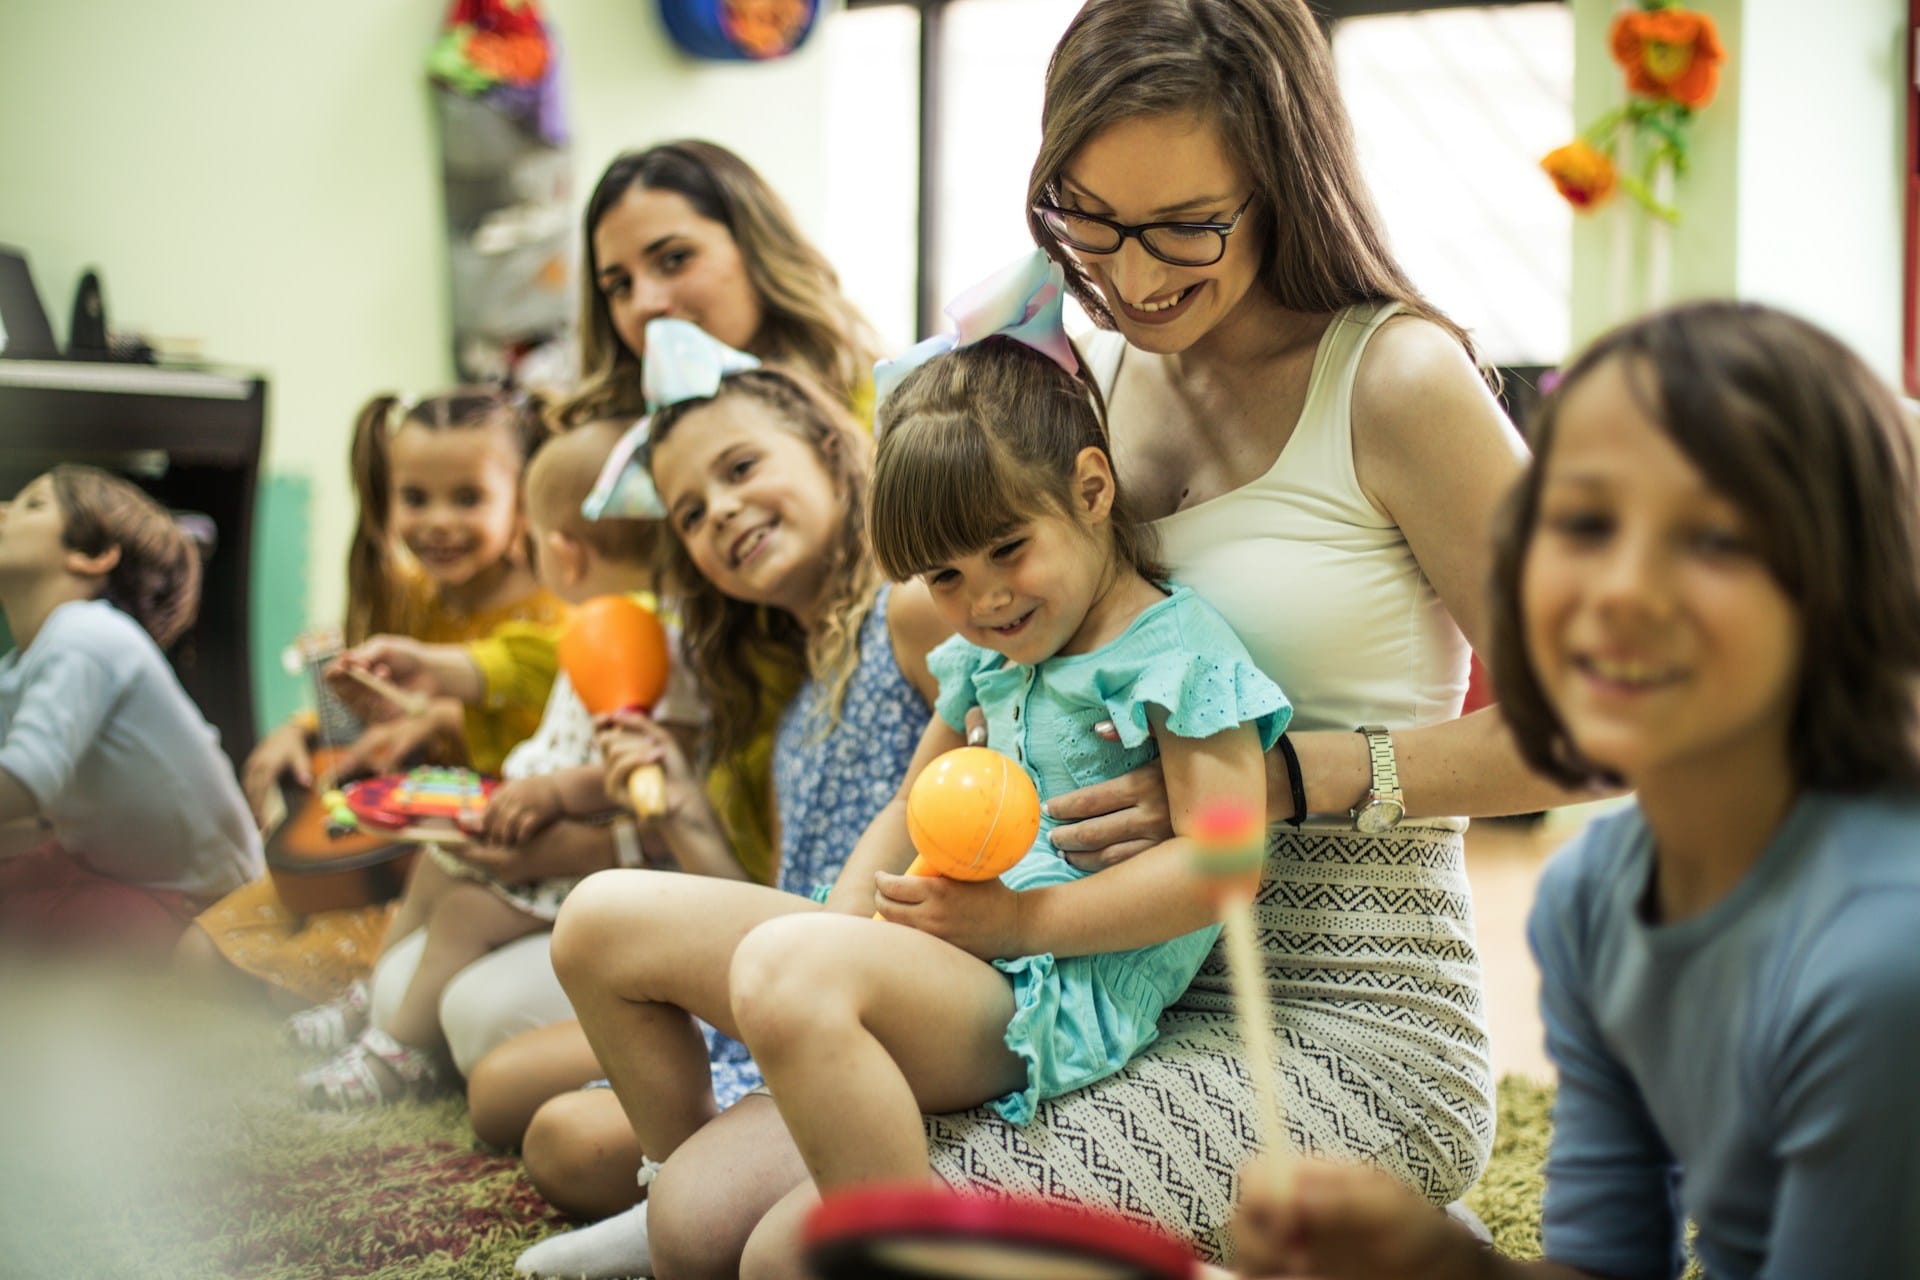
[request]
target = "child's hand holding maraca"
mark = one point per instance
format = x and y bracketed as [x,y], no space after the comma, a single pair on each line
[630,742]
[981,917]
[971,815]
[615,654]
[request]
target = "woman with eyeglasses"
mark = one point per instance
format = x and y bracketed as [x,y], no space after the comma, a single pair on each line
[1323,460]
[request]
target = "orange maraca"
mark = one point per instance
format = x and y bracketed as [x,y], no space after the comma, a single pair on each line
[971,814]
[614,652]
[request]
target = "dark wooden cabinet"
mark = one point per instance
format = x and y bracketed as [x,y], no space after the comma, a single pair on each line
[192,439]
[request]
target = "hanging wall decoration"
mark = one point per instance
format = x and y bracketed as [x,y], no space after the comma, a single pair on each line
[1671,57]
[739,30]
[508,177]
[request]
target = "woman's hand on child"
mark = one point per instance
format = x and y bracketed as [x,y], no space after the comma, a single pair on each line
[630,740]
[1335,1221]
[1112,821]
[981,917]
[518,811]
[282,753]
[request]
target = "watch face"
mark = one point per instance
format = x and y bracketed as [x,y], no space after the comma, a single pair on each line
[1378,816]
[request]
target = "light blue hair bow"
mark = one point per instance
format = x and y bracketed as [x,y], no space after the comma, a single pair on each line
[1021,301]
[682,362]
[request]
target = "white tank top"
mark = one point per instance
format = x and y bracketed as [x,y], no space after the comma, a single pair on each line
[1317,580]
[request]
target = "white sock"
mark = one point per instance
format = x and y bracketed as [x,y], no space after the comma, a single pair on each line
[610,1249]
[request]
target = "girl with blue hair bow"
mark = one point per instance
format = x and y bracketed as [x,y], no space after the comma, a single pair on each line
[762,480]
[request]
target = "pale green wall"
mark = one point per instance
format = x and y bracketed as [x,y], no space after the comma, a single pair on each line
[1822,164]
[265,177]
[1794,196]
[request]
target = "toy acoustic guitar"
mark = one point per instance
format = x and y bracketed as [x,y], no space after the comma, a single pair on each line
[315,866]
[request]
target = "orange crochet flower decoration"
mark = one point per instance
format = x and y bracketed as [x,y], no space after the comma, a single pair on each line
[1673,54]
[517,59]
[1583,174]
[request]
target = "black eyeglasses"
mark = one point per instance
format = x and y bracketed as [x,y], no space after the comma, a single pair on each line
[1184,244]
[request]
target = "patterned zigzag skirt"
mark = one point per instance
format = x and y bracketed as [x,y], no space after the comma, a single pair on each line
[1374,983]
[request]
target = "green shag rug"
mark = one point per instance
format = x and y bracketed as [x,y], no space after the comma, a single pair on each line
[144,1134]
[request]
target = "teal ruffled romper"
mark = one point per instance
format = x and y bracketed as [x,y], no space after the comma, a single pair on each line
[1081,1019]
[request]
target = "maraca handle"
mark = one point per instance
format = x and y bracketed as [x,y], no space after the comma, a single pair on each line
[647,791]
[918,867]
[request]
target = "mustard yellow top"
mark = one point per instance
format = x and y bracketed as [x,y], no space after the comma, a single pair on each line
[513,646]
[865,405]
[741,791]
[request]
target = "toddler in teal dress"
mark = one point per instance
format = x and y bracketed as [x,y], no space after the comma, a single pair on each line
[1081,1019]
[993,493]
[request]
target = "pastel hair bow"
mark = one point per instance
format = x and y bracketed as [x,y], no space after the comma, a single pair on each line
[682,362]
[1022,301]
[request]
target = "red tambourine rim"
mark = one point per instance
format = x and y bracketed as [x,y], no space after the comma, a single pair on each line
[930,1213]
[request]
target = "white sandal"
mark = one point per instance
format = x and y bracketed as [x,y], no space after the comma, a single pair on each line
[351,1081]
[331,1027]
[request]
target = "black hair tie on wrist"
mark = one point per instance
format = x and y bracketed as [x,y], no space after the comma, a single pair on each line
[1294,784]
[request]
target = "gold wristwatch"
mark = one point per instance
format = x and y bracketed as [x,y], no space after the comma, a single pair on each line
[1384,806]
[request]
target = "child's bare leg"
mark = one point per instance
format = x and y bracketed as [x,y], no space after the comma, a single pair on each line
[718,1187]
[862,1026]
[424,888]
[508,1086]
[638,951]
[466,921]
[774,1249]
[581,1154]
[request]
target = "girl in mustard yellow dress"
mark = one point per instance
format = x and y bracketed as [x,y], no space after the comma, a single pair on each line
[439,554]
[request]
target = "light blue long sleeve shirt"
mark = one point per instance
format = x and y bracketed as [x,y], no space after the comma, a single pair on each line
[94,724]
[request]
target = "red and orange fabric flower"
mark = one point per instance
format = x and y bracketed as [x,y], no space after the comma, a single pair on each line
[1583,174]
[1669,53]
[1672,58]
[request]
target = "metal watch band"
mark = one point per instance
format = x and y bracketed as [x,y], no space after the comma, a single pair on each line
[1386,771]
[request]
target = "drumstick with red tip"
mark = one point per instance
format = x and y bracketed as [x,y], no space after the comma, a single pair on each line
[1229,847]
[409,702]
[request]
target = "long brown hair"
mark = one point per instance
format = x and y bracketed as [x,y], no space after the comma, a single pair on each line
[1261,72]
[807,320]
[156,580]
[733,645]
[979,440]
[1815,451]
[374,601]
